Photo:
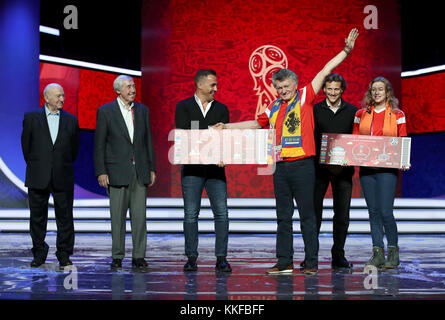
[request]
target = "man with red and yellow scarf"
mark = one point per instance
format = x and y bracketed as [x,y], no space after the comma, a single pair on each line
[291,115]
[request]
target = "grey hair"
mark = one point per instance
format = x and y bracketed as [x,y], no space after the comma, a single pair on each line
[45,91]
[117,84]
[284,74]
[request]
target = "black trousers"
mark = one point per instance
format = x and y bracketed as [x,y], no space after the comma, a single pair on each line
[63,207]
[340,179]
[294,180]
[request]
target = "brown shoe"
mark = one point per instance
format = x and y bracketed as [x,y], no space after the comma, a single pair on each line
[278,269]
[310,271]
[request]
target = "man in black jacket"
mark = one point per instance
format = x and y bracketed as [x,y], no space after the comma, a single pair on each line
[50,142]
[204,111]
[124,162]
[334,115]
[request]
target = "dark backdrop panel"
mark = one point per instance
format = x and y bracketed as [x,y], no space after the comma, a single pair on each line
[422,24]
[84,165]
[108,32]
[427,176]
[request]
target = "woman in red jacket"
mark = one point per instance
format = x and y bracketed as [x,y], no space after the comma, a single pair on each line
[381,117]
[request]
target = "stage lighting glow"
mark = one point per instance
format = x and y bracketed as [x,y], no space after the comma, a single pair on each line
[48,30]
[423,71]
[89,65]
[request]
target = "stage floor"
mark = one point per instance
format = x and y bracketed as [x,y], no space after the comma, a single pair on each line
[421,274]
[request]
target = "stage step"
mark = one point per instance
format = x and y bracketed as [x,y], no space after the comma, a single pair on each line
[99,226]
[234,214]
[165,215]
[262,203]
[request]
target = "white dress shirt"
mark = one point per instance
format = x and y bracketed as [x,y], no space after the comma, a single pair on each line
[204,112]
[334,110]
[53,123]
[128,117]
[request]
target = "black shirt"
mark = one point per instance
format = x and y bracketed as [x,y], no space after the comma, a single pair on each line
[326,121]
[187,111]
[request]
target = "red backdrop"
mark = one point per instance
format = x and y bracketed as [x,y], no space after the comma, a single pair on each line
[423,100]
[85,90]
[181,36]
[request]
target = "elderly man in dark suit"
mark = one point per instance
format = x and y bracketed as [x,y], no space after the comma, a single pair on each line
[124,163]
[50,142]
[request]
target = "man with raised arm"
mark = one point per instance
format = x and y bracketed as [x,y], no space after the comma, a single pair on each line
[291,115]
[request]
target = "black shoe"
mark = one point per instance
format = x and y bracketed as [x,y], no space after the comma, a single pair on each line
[35,263]
[303,265]
[116,264]
[341,263]
[191,265]
[139,263]
[65,262]
[223,266]
[39,255]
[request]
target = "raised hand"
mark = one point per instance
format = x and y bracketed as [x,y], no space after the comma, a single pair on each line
[350,40]
[317,82]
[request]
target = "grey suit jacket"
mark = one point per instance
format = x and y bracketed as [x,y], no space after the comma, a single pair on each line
[113,150]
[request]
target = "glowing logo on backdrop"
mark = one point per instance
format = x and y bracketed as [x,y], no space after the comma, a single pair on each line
[264,62]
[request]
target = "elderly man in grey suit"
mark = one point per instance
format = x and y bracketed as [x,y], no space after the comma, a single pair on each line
[124,164]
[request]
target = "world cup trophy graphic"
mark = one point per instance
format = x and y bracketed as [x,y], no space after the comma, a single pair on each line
[263,63]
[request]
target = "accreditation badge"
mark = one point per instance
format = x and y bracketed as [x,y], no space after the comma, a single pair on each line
[277,154]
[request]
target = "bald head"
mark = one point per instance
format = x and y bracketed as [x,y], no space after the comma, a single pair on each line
[54,96]
[50,87]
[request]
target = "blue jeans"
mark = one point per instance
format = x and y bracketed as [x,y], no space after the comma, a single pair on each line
[192,188]
[296,180]
[379,188]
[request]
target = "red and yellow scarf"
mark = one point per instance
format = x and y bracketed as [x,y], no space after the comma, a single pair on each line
[291,140]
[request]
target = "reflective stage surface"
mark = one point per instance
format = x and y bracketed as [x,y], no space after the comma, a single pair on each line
[421,274]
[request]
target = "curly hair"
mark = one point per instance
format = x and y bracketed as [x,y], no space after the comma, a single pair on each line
[390,98]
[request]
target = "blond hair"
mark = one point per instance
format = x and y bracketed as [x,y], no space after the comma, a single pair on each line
[390,98]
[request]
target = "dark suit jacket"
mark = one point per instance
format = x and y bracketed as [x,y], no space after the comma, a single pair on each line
[113,150]
[46,161]
[187,111]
